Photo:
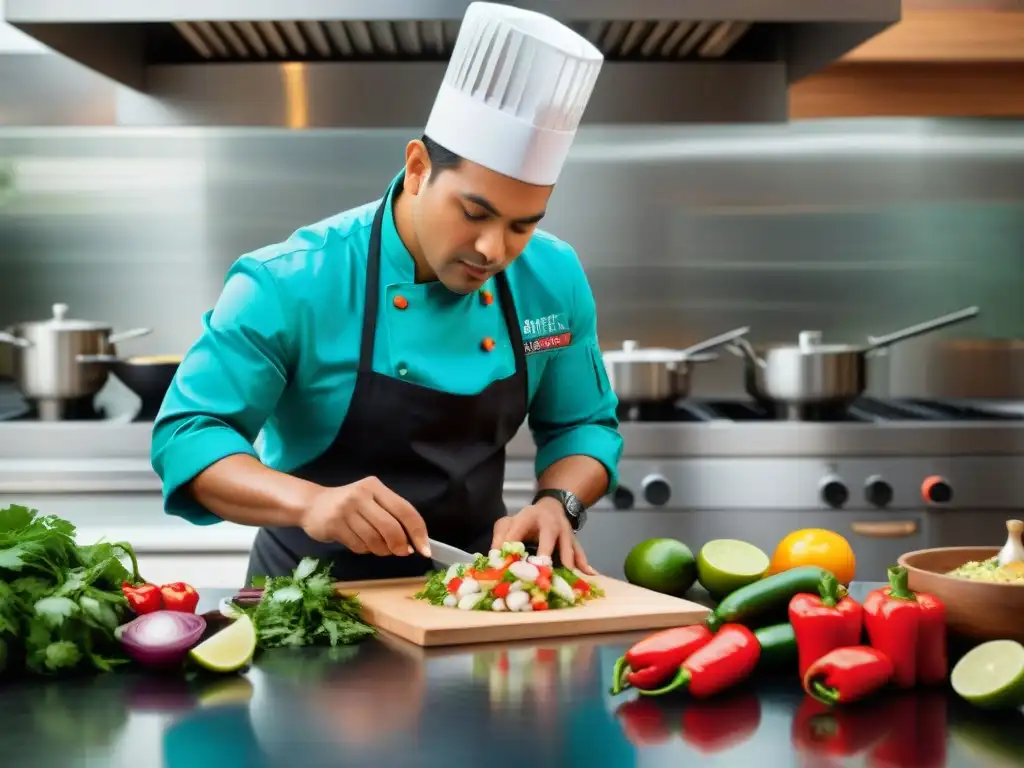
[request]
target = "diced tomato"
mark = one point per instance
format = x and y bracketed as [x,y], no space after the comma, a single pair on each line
[491,574]
[581,586]
[454,584]
[502,588]
[509,559]
[545,571]
[543,582]
[540,605]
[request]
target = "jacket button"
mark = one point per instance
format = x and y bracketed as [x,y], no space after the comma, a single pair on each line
[487,344]
[403,370]
[400,302]
[487,298]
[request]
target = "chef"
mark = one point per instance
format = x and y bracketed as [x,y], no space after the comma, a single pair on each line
[354,388]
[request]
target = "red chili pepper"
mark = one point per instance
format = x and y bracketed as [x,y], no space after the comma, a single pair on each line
[910,629]
[918,731]
[179,596]
[657,657]
[453,585]
[716,725]
[729,657]
[820,729]
[643,722]
[848,674]
[581,586]
[142,599]
[824,622]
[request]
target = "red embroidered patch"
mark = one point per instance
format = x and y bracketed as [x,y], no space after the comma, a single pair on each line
[548,342]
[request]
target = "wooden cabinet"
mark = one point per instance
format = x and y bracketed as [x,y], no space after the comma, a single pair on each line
[944,59]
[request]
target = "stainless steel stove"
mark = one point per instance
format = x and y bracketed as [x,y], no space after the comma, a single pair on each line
[890,475]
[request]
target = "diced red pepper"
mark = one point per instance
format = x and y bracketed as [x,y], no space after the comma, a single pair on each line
[179,596]
[657,657]
[715,725]
[509,559]
[545,571]
[848,674]
[582,586]
[454,584]
[910,629]
[501,589]
[543,583]
[728,658]
[144,598]
[824,622]
[540,605]
[821,729]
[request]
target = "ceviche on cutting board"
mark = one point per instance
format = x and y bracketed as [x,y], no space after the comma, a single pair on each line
[508,579]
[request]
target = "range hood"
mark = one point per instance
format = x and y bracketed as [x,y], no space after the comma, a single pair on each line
[365,63]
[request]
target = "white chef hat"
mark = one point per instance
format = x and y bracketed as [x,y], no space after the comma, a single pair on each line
[514,92]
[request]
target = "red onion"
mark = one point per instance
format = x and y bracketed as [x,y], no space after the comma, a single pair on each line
[161,638]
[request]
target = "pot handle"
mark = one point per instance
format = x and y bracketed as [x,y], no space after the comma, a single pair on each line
[877,342]
[742,348]
[134,333]
[15,340]
[717,341]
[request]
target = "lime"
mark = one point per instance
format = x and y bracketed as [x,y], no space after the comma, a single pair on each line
[226,691]
[230,649]
[991,676]
[725,565]
[661,565]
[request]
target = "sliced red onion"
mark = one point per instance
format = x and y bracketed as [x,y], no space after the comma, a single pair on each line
[161,638]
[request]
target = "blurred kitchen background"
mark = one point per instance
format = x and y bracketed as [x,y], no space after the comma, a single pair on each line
[895,195]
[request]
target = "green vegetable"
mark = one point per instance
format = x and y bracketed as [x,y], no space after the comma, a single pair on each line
[778,646]
[765,597]
[435,590]
[59,601]
[306,609]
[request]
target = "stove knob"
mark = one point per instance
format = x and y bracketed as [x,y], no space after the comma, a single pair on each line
[877,491]
[622,498]
[834,492]
[936,490]
[656,490]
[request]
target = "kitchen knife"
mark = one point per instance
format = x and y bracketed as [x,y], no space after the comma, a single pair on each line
[447,554]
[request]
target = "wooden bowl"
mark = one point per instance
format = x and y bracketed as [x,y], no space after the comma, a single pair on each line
[974,609]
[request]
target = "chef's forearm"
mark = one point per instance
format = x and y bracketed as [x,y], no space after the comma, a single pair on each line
[241,489]
[586,477]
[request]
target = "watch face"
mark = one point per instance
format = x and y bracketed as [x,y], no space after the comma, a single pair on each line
[572,505]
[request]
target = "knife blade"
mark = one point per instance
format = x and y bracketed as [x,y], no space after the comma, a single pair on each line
[447,554]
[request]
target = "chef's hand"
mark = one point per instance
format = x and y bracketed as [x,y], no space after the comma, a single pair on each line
[544,522]
[366,516]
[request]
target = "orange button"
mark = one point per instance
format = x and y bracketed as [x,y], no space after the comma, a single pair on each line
[400,302]
[936,490]
[487,344]
[487,298]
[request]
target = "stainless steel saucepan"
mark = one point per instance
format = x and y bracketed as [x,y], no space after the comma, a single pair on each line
[812,373]
[651,374]
[51,361]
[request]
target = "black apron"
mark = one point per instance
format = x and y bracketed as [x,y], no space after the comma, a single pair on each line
[443,453]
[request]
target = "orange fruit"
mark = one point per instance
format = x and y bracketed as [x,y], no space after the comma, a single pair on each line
[816,546]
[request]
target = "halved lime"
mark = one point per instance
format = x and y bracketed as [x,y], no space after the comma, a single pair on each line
[725,565]
[991,675]
[230,649]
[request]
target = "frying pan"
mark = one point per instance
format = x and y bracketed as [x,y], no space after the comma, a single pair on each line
[149,377]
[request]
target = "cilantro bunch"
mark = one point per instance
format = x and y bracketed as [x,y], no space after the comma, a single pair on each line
[59,602]
[305,609]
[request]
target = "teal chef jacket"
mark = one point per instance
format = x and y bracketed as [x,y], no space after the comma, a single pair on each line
[274,369]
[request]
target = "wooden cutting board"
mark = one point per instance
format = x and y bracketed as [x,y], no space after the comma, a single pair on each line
[389,606]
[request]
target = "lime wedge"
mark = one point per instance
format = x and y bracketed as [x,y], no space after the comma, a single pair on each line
[991,675]
[229,650]
[725,565]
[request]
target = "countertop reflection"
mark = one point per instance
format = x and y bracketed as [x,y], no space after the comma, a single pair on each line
[541,702]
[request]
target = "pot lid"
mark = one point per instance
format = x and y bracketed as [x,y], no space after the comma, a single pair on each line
[810,343]
[632,352]
[61,322]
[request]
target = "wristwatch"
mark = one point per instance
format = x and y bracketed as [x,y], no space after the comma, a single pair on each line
[575,512]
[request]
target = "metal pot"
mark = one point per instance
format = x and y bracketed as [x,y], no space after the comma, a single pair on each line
[51,361]
[813,374]
[658,374]
[149,377]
